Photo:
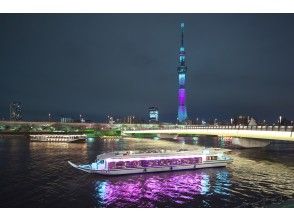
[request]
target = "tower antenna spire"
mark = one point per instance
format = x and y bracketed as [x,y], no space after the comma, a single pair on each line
[182,30]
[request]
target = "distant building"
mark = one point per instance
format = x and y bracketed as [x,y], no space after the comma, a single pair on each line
[129,119]
[66,120]
[153,114]
[284,121]
[252,122]
[15,110]
[241,120]
[196,122]
[110,120]
[189,122]
[82,119]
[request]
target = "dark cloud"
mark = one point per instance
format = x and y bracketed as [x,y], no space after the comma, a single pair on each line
[121,64]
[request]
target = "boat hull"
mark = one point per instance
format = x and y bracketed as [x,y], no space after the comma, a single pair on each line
[57,141]
[115,172]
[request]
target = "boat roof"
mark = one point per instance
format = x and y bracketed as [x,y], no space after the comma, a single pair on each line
[159,153]
[56,134]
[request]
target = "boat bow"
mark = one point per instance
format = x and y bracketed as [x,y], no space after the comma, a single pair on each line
[85,168]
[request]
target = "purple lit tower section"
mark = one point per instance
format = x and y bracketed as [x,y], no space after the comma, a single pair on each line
[182,70]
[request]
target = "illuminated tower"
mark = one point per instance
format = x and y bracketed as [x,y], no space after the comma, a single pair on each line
[182,70]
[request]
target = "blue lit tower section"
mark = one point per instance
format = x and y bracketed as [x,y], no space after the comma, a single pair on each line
[182,70]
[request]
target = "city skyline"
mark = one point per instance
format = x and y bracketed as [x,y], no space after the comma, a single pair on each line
[116,104]
[122,64]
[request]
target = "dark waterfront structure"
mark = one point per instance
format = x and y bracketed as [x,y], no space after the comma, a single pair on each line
[153,114]
[15,109]
[182,70]
[66,120]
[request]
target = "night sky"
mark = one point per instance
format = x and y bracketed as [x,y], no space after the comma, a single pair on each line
[120,64]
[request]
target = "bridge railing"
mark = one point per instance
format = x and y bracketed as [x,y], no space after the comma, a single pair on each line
[234,127]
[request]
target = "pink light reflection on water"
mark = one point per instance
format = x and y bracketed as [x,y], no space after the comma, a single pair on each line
[146,190]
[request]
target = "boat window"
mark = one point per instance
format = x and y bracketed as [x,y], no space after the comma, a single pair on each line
[101,161]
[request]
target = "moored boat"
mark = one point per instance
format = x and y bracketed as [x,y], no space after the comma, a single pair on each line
[131,162]
[66,138]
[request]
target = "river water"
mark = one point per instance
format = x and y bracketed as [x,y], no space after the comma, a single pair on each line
[38,175]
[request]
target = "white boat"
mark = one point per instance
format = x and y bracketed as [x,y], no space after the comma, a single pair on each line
[66,138]
[132,162]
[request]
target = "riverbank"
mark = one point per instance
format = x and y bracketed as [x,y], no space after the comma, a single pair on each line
[91,133]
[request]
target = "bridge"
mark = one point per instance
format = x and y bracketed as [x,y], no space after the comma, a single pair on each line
[281,133]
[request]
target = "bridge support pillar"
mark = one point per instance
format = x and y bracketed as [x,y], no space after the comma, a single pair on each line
[250,143]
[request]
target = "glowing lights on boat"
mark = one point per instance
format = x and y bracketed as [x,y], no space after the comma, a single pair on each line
[153,162]
[153,158]
[56,137]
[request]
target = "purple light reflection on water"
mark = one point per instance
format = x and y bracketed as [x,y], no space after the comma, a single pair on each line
[151,190]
